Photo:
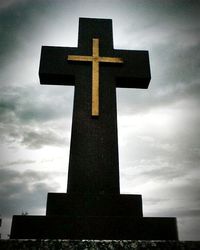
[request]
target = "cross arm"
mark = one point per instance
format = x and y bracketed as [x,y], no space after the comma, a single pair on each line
[54,67]
[135,71]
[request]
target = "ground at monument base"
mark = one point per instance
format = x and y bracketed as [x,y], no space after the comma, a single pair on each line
[97,245]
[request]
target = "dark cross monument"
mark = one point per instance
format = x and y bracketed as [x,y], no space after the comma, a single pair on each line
[93,207]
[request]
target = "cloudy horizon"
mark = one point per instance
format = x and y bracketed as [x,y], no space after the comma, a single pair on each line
[159,136]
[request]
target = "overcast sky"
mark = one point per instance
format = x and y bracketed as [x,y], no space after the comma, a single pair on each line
[159,136]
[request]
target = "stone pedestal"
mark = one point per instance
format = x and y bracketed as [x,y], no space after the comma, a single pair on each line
[93,217]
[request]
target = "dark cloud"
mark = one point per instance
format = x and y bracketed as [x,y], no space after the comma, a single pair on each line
[35,103]
[28,114]
[14,163]
[37,139]
[188,213]
[34,137]
[163,174]
[175,78]
[9,3]
[24,191]
[173,41]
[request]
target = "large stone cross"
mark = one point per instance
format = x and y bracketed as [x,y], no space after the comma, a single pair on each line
[96,69]
[93,207]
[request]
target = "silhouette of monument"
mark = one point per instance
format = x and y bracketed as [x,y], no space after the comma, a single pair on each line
[93,207]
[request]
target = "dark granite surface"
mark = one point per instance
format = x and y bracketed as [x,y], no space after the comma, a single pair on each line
[97,245]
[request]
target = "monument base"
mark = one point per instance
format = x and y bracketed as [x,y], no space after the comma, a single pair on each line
[108,217]
[115,228]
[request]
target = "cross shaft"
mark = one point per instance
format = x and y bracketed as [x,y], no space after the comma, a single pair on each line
[95,59]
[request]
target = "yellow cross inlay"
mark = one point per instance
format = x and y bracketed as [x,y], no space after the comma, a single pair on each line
[95,59]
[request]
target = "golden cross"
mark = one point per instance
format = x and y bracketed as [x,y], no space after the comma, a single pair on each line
[95,59]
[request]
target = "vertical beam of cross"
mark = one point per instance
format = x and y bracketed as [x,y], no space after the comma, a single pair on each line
[94,161]
[95,59]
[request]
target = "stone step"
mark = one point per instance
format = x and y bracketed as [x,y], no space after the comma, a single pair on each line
[93,227]
[94,205]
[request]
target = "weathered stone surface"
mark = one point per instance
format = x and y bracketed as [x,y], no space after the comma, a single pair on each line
[97,245]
